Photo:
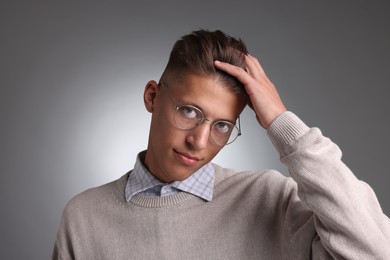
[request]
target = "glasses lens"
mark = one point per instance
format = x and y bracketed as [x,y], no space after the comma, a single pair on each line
[188,117]
[223,132]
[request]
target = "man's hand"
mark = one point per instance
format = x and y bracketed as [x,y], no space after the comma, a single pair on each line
[264,98]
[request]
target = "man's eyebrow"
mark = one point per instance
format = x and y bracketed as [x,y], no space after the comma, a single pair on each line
[180,102]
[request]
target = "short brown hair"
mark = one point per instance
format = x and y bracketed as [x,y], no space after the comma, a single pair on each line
[197,51]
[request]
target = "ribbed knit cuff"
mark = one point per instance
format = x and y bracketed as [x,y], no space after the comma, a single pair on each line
[284,129]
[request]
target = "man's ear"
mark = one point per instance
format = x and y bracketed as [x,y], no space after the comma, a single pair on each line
[150,94]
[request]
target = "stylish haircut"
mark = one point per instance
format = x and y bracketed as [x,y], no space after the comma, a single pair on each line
[197,51]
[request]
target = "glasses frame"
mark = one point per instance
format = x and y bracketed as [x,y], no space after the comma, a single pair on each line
[204,118]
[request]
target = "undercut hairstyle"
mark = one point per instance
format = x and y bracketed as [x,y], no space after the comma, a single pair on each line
[197,51]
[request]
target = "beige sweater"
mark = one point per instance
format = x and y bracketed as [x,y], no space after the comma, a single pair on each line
[322,212]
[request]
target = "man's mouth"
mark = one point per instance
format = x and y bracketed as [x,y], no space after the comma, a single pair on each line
[186,158]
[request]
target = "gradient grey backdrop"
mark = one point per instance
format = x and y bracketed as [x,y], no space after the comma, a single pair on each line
[73,73]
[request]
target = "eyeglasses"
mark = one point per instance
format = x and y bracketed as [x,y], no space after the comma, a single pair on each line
[187,117]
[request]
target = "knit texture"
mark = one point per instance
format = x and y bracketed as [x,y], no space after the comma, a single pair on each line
[322,212]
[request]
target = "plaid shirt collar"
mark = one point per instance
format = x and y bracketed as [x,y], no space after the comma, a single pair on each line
[141,181]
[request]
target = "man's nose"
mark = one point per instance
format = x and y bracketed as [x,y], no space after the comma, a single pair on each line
[199,136]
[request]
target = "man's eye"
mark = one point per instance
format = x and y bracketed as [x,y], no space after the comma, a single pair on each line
[222,127]
[188,112]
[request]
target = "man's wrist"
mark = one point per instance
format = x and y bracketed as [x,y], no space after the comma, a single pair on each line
[286,128]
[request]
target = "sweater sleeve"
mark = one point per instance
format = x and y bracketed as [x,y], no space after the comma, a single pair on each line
[347,218]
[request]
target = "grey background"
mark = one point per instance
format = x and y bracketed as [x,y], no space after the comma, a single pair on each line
[73,73]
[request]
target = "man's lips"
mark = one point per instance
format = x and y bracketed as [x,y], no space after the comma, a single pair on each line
[186,158]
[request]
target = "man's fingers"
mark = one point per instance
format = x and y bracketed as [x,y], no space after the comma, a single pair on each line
[253,67]
[235,71]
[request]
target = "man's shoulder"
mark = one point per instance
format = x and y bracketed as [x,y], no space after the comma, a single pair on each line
[224,174]
[98,195]
[266,181]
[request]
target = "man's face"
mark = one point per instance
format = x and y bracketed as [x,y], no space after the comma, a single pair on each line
[174,154]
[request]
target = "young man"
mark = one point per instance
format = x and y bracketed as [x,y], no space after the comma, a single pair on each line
[176,204]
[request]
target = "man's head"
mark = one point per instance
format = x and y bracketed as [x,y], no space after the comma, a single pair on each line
[190,78]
